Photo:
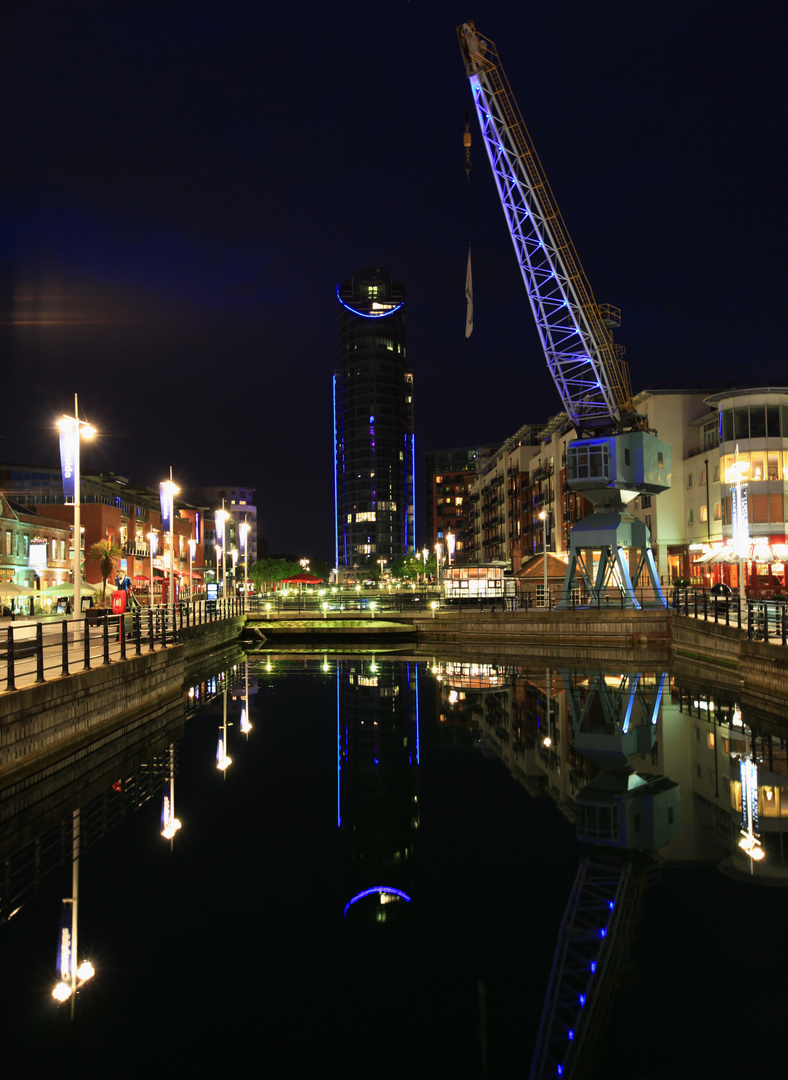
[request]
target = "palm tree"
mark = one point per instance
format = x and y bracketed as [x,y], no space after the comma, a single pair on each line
[107,554]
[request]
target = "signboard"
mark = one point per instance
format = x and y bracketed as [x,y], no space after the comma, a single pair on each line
[212,591]
[119,599]
[37,555]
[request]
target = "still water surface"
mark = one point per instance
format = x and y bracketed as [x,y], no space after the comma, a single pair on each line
[376,885]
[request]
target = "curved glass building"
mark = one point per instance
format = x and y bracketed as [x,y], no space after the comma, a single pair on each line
[373,426]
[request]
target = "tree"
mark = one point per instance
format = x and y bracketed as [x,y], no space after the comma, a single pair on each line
[108,555]
[272,571]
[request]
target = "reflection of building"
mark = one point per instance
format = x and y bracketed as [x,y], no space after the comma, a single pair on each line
[377,779]
[373,425]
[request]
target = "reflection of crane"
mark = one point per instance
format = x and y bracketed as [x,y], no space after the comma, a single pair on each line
[615,458]
[625,815]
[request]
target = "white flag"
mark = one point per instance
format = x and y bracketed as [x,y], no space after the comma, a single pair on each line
[469,299]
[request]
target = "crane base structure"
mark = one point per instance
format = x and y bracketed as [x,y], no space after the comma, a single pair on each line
[618,540]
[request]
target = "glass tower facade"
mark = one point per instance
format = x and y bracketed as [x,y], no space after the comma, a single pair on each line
[373,425]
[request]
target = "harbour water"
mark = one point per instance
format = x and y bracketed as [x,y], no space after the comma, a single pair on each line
[377,883]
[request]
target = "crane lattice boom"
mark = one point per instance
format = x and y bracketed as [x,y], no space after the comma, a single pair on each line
[586,366]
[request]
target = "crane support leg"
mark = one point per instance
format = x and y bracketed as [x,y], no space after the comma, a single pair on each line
[614,538]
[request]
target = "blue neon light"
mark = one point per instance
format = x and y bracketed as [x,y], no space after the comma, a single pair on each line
[336,496]
[603,932]
[582,999]
[339,761]
[388,890]
[369,314]
[570,1034]
[593,966]
[413,487]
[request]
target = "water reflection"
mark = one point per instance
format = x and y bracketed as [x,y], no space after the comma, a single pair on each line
[653,770]
[378,782]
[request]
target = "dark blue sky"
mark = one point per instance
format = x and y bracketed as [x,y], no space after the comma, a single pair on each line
[184,185]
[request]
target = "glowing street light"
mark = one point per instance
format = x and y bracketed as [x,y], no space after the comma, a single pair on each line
[167,491]
[543,519]
[736,476]
[72,429]
[244,531]
[220,519]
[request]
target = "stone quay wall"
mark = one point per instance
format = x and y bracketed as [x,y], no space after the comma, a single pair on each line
[36,719]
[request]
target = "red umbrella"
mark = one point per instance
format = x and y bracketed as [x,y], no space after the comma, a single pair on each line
[303,579]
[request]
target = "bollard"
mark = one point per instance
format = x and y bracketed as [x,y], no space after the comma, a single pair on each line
[39,653]
[10,684]
[64,646]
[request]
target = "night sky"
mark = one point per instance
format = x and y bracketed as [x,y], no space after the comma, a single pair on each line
[184,184]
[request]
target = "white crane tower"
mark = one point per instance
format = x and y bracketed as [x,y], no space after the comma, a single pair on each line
[615,458]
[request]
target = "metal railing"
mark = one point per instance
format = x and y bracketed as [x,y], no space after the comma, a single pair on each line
[761,620]
[34,652]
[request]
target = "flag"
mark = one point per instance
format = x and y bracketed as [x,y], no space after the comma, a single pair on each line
[468,298]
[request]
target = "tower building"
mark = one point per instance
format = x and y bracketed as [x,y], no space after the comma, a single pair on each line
[373,426]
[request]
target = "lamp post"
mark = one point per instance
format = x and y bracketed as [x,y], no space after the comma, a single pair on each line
[192,553]
[220,519]
[543,517]
[168,490]
[734,476]
[234,557]
[451,539]
[439,560]
[72,429]
[153,541]
[244,530]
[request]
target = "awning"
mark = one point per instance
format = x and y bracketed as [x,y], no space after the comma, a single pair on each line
[761,552]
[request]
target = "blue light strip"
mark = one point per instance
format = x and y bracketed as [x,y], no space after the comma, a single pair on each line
[417,713]
[336,469]
[339,761]
[389,890]
[412,488]
[369,314]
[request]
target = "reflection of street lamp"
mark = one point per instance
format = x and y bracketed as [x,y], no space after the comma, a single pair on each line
[72,978]
[246,724]
[169,822]
[71,430]
[543,518]
[153,541]
[223,762]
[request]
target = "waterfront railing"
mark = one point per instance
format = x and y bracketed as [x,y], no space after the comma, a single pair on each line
[35,652]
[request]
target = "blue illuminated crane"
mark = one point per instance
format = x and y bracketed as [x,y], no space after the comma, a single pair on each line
[615,458]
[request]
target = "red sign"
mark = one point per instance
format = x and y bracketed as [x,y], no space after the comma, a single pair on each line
[119,602]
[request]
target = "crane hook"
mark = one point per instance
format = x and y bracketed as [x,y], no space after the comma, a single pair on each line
[466,142]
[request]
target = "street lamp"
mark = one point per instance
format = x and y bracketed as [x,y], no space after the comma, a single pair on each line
[192,553]
[736,477]
[234,557]
[220,518]
[72,429]
[543,518]
[153,538]
[450,542]
[167,491]
[439,560]
[244,531]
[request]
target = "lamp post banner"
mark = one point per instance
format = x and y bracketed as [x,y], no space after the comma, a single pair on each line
[165,496]
[67,446]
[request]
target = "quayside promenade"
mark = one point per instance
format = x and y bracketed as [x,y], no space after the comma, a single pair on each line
[72,678]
